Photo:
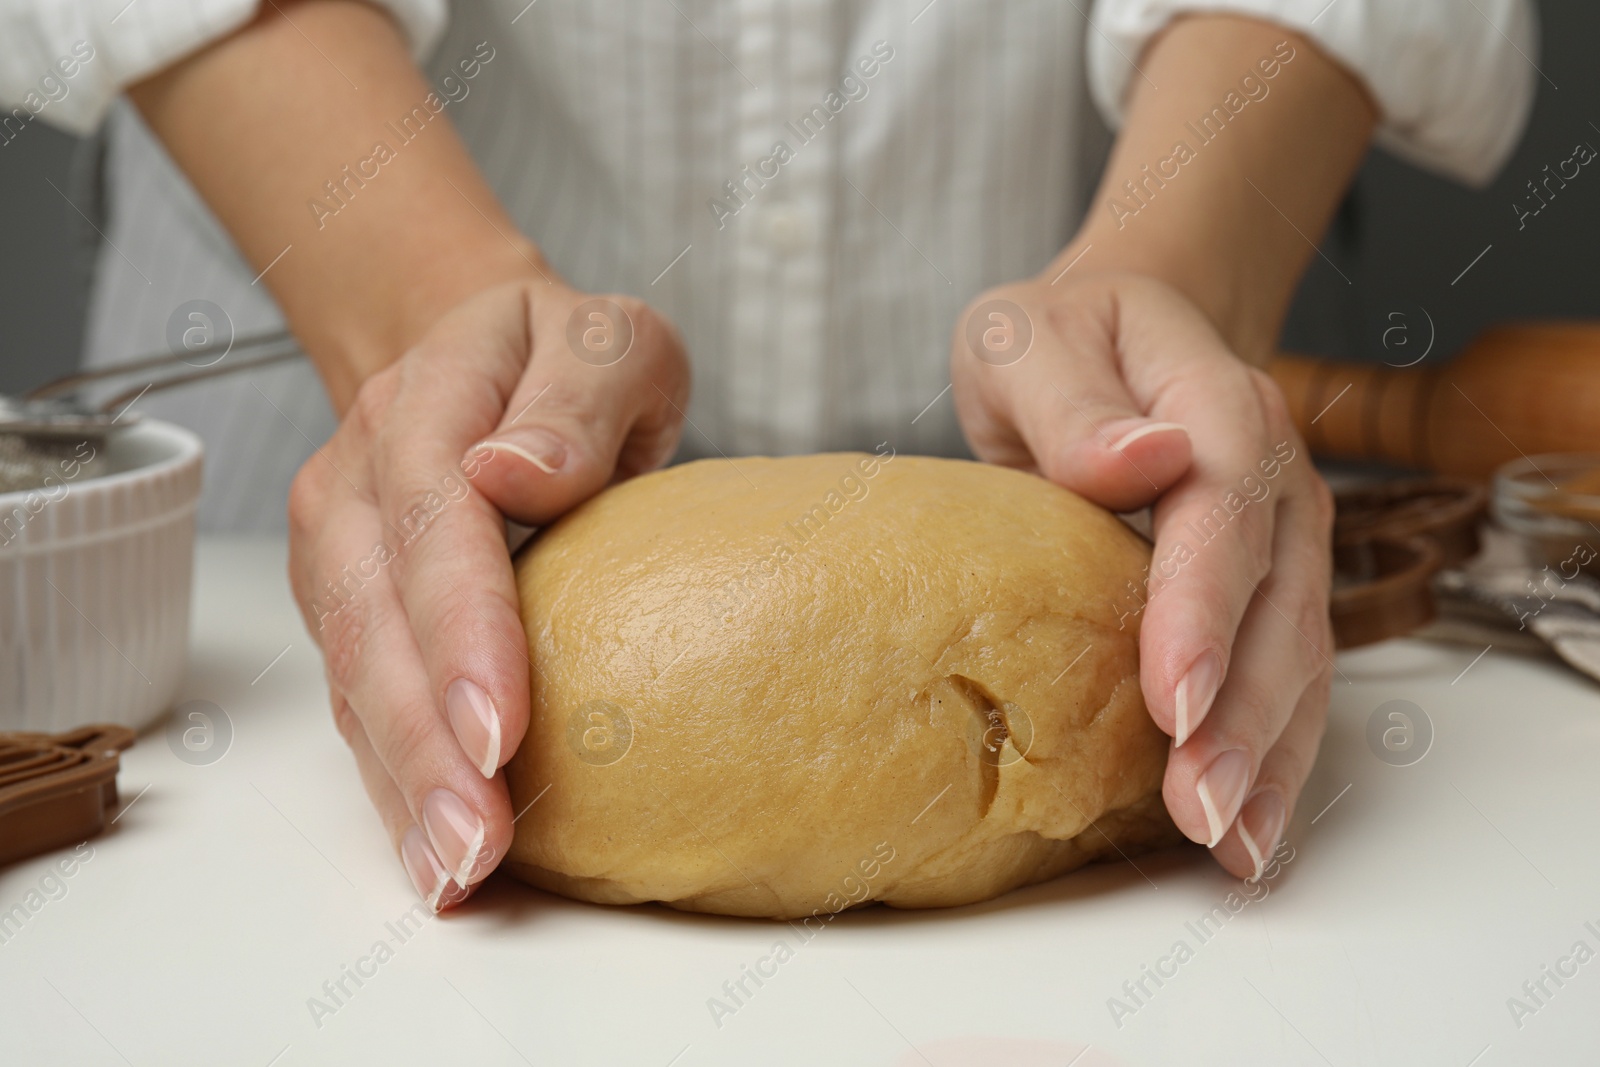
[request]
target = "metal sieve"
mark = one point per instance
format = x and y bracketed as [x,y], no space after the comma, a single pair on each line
[43,430]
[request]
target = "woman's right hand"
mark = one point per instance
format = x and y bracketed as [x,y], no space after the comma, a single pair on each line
[520,403]
[398,559]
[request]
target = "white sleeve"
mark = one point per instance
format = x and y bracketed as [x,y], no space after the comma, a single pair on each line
[64,61]
[1454,80]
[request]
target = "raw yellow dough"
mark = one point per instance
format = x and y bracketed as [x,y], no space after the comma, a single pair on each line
[783,687]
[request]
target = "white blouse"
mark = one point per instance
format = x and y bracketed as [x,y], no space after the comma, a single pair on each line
[810,189]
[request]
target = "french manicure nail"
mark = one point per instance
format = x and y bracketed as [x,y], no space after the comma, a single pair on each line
[1144,431]
[544,450]
[455,831]
[1221,789]
[476,723]
[1196,690]
[1261,827]
[433,882]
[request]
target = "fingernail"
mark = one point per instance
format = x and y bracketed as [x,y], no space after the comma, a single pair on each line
[1144,431]
[1261,827]
[455,831]
[1196,690]
[544,450]
[433,882]
[1221,791]
[476,724]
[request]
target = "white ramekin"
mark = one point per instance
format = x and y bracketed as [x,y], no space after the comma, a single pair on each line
[94,586]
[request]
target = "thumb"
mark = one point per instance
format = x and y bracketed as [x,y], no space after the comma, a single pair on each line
[1120,460]
[575,413]
[1085,431]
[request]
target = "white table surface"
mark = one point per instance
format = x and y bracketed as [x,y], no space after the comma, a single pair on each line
[1414,907]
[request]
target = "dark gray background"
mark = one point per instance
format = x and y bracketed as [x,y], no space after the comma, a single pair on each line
[1400,238]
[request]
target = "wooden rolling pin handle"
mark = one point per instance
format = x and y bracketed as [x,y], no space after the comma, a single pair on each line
[1360,411]
[1515,391]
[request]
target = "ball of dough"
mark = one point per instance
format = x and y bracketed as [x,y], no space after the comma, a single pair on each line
[784,687]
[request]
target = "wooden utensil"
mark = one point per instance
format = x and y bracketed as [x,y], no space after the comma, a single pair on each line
[1517,390]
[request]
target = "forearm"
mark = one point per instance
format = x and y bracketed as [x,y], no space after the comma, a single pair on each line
[304,96]
[1226,210]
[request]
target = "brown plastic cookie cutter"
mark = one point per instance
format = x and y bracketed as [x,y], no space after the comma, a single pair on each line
[1388,542]
[55,788]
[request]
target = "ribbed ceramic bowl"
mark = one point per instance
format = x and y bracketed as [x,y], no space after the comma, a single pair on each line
[95,571]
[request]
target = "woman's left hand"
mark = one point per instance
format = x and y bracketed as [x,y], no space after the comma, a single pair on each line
[1116,386]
